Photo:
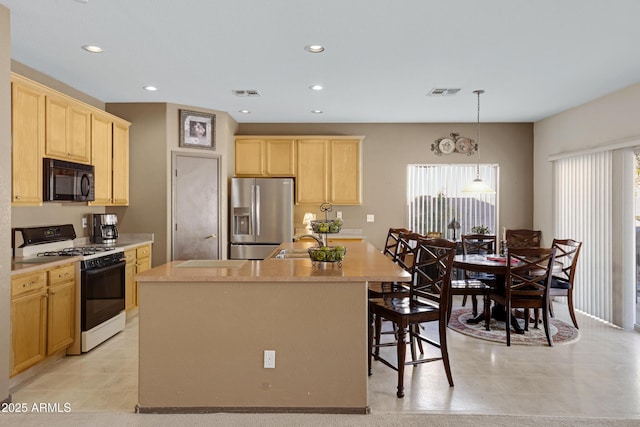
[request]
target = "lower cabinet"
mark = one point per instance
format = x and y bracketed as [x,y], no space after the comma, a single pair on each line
[42,315]
[138,260]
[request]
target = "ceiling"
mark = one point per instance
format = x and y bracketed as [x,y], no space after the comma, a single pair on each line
[533,58]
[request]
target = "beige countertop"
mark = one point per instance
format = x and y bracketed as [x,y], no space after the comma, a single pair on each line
[363,262]
[21,265]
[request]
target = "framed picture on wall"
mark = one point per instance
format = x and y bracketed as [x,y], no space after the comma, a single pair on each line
[197,130]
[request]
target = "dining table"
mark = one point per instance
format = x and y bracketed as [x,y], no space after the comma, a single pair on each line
[495,264]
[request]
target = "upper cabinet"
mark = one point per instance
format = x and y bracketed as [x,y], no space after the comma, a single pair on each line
[326,168]
[329,170]
[27,128]
[265,157]
[110,154]
[68,129]
[46,123]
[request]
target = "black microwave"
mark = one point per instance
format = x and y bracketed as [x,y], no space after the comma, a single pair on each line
[67,181]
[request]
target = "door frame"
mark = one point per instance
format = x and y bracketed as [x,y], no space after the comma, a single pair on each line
[174,156]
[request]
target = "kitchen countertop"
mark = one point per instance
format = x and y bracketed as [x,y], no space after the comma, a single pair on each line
[363,262]
[21,265]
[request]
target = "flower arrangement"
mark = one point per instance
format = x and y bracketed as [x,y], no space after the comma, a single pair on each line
[480,229]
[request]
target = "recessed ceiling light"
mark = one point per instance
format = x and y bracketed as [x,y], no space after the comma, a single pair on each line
[316,87]
[314,48]
[150,88]
[244,111]
[317,111]
[92,49]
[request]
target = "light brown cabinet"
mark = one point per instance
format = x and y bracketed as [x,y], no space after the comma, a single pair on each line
[27,127]
[329,171]
[265,157]
[110,154]
[67,130]
[42,315]
[137,260]
[326,168]
[61,308]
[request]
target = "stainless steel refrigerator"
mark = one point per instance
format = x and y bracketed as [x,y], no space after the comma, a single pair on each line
[261,216]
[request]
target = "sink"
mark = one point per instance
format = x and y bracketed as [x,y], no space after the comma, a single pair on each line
[291,253]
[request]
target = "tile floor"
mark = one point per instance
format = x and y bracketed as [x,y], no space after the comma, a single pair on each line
[597,376]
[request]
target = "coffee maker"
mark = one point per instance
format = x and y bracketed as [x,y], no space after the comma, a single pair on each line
[104,228]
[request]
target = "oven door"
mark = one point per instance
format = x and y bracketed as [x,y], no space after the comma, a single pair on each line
[102,294]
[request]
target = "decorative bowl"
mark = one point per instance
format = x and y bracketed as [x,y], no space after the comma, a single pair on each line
[328,254]
[326,226]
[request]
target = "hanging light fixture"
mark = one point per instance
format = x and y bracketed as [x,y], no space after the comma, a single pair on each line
[478,185]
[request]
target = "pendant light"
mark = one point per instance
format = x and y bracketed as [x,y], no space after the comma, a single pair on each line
[478,185]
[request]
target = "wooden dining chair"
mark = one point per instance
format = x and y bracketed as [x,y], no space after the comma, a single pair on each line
[522,238]
[380,289]
[562,282]
[527,285]
[427,302]
[474,283]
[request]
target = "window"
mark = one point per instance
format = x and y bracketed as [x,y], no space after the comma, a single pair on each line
[435,199]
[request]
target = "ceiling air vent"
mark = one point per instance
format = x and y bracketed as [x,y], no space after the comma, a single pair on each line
[442,92]
[246,92]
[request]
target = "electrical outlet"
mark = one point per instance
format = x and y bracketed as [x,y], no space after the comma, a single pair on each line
[339,214]
[84,222]
[270,359]
[370,218]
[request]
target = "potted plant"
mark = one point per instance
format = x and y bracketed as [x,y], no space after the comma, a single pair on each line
[480,229]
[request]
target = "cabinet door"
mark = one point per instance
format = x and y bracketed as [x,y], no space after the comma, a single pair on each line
[311,162]
[28,330]
[280,157]
[129,288]
[120,164]
[249,157]
[27,149]
[345,177]
[101,153]
[61,316]
[68,130]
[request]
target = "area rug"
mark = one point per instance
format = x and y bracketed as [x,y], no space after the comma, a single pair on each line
[561,332]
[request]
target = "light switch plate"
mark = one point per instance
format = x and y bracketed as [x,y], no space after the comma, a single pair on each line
[270,359]
[370,218]
[339,214]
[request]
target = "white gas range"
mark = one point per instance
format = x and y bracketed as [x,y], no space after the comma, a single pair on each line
[100,297]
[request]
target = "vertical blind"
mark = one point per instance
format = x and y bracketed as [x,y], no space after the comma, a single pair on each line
[435,198]
[583,212]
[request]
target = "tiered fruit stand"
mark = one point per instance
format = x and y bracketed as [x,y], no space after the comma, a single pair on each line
[327,255]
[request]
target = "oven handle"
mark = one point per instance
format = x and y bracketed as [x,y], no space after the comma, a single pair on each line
[92,271]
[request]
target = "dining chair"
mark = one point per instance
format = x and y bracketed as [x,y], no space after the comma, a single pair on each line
[404,256]
[474,283]
[427,302]
[527,285]
[380,289]
[523,238]
[562,282]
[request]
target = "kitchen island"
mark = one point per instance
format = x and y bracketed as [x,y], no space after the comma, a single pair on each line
[204,331]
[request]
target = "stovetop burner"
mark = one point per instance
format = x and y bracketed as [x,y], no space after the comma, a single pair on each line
[78,251]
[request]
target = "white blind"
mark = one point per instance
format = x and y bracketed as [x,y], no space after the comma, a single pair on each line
[435,198]
[583,212]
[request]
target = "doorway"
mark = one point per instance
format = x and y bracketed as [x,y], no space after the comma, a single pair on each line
[195,207]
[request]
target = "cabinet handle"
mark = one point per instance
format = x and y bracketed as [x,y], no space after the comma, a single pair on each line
[17,197]
[45,295]
[52,292]
[24,285]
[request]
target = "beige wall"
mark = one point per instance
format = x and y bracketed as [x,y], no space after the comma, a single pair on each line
[153,138]
[5,198]
[389,148]
[611,120]
[602,121]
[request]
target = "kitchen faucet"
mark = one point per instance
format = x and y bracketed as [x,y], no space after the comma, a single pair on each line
[316,238]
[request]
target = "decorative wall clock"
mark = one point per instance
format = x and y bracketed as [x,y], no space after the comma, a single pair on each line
[454,144]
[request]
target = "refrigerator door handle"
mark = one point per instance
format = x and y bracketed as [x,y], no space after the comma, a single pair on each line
[257,208]
[252,213]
